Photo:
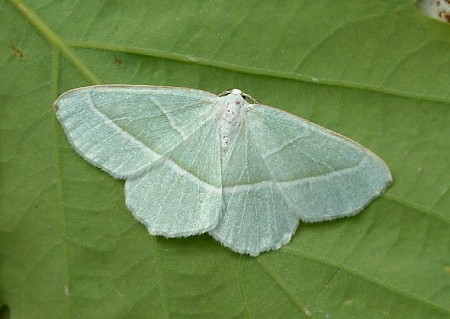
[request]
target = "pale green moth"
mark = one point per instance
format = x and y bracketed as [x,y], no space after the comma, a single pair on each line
[194,162]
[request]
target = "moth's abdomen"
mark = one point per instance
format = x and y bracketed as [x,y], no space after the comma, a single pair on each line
[232,117]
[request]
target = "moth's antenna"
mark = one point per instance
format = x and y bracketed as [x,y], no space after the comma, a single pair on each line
[225,93]
[245,95]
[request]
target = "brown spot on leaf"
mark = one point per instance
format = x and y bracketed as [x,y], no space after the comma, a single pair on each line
[17,52]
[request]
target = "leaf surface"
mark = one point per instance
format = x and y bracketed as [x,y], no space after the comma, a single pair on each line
[376,72]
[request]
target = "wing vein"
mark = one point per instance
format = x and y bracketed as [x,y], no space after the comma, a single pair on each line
[165,113]
[294,182]
[282,147]
[125,134]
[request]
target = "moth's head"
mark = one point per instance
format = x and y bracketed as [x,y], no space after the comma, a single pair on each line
[233,99]
[236,92]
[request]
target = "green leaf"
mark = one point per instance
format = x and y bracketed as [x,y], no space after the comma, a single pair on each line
[375,71]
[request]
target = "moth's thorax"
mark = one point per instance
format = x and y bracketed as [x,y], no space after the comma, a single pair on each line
[232,112]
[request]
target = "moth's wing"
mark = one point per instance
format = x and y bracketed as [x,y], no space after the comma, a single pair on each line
[321,173]
[164,141]
[124,129]
[181,194]
[256,216]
